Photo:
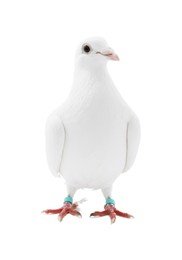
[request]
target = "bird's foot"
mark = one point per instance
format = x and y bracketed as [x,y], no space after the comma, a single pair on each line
[67,208]
[111,211]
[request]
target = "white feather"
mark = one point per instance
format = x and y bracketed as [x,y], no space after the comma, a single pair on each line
[94,136]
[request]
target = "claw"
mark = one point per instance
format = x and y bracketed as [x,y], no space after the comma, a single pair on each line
[60,218]
[92,215]
[113,220]
[79,214]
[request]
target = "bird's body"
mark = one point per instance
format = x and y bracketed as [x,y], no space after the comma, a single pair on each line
[94,136]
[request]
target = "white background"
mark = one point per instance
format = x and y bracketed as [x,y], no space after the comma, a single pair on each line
[37,46]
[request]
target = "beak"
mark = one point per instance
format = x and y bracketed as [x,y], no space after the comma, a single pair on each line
[110,54]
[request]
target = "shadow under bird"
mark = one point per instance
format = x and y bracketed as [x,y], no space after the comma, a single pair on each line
[94,135]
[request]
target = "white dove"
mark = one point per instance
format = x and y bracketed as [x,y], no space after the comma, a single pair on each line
[94,136]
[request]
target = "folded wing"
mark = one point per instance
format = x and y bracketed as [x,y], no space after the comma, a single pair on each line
[55,138]
[132,141]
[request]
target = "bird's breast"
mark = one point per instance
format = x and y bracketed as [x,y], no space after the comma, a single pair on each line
[95,147]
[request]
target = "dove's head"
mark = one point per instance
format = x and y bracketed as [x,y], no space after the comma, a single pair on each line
[94,53]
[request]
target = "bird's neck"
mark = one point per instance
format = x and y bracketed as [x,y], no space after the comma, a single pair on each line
[89,77]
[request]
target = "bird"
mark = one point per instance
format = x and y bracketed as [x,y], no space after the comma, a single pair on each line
[93,137]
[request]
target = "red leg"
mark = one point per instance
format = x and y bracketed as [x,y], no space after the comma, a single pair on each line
[112,212]
[67,208]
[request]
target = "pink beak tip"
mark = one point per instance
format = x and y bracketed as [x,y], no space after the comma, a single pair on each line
[115,57]
[111,55]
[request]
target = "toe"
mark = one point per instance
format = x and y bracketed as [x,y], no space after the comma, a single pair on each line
[112,216]
[52,211]
[99,213]
[123,214]
[75,213]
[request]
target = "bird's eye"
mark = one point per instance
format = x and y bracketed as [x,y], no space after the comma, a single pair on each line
[86,48]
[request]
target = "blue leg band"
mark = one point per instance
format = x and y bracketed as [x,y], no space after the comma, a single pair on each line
[68,199]
[110,201]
